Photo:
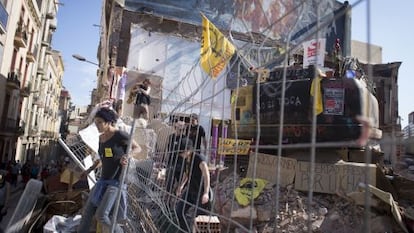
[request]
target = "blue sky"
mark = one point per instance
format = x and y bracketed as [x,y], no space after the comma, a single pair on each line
[76,34]
[390,29]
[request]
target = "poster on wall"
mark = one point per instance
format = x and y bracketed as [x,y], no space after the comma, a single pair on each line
[334,101]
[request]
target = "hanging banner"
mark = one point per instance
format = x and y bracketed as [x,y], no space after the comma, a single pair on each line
[216,49]
[314,52]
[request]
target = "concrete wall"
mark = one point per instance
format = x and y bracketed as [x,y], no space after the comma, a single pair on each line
[359,50]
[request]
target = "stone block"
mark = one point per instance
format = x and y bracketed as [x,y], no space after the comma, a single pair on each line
[206,224]
[267,165]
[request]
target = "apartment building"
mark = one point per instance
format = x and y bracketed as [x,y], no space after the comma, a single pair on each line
[30,78]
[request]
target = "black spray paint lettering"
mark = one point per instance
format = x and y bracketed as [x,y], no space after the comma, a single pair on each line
[273,89]
[288,101]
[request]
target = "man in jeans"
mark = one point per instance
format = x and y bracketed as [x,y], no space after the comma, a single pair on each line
[112,151]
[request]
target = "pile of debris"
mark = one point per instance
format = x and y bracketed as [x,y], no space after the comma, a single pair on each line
[334,213]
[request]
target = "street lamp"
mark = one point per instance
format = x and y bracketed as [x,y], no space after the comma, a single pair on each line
[80,58]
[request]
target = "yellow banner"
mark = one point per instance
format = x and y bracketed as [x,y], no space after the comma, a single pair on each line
[216,50]
[316,84]
[228,146]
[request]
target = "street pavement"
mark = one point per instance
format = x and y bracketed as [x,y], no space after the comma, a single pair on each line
[15,194]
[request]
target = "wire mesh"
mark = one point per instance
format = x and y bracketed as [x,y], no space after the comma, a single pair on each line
[281,205]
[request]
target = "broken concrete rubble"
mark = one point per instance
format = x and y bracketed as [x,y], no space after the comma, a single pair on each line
[333,213]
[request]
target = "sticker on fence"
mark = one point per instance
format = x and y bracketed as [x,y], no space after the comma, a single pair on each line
[229,146]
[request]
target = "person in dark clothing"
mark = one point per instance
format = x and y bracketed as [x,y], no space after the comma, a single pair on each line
[195,186]
[197,133]
[141,91]
[112,150]
[14,173]
[26,172]
[175,163]
[5,190]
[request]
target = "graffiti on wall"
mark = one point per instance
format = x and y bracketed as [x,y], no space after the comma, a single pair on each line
[275,19]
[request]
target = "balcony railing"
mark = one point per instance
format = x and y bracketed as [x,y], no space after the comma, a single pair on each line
[20,38]
[34,131]
[50,15]
[48,134]
[13,80]
[31,56]
[25,91]
[9,125]
[38,101]
[41,71]
[49,51]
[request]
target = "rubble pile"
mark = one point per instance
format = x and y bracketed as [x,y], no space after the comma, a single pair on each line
[327,212]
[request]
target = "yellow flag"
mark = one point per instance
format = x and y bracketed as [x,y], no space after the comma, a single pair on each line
[316,84]
[216,50]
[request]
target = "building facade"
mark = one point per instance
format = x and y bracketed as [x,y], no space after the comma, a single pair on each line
[30,79]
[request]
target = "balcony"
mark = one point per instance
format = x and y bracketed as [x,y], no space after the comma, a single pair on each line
[53,25]
[37,101]
[8,125]
[30,57]
[13,80]
[50,15]
[34,131]
[25,92]
[44,78]
[45,43]
[48,134]
[20,38]
[49,51]
[41,71]
[20,131]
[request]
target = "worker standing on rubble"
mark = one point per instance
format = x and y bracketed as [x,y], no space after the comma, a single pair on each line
[196,183]
[112,150]
[141,92]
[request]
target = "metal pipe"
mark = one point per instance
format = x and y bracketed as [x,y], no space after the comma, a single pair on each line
[122,178]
